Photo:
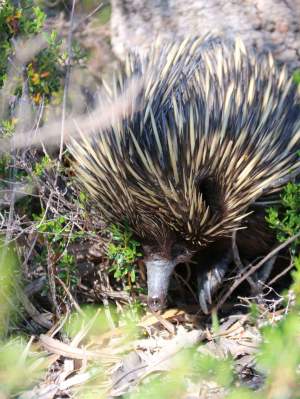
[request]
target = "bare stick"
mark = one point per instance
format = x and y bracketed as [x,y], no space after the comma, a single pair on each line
[68,71]
[287,269]
[51,279]
[87,17]
[256,267]
[67,291]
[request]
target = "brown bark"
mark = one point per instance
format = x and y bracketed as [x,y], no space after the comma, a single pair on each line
[265,24]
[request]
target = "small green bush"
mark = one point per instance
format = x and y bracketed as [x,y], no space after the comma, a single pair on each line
[59,235]
[45,73]
[124,252]
[285,219]
[14,22]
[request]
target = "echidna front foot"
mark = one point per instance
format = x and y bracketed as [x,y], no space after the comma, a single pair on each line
[210,281]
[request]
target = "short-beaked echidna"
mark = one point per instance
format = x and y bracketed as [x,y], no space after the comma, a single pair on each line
[213,128]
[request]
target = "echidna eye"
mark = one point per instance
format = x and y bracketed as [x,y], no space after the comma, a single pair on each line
[148,249]
[178,250]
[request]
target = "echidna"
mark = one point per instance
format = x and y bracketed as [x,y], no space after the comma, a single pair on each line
[213,128]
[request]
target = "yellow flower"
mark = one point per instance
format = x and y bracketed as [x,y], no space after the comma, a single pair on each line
[35,78]
[37,98]
[13,22]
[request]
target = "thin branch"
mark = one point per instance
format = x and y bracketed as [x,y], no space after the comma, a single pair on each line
[87,17]
[67,81]
[278,276]
[67,291]
[254,268]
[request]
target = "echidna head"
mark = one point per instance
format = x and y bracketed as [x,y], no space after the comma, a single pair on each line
[160,260]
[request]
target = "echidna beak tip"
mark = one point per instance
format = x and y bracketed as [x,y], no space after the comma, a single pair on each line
[156,304]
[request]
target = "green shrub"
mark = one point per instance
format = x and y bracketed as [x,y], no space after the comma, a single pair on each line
[14,22]
[285,219]
[124,252]
[45,73]
[59,235]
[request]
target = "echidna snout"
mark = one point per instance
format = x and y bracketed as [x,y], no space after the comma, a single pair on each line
[159,270]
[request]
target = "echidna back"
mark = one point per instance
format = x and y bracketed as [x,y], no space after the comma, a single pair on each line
[213,128]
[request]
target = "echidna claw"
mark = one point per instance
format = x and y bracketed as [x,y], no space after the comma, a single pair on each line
[209,282]
[207,288]
[202,303]
[205,298]
[218,275]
